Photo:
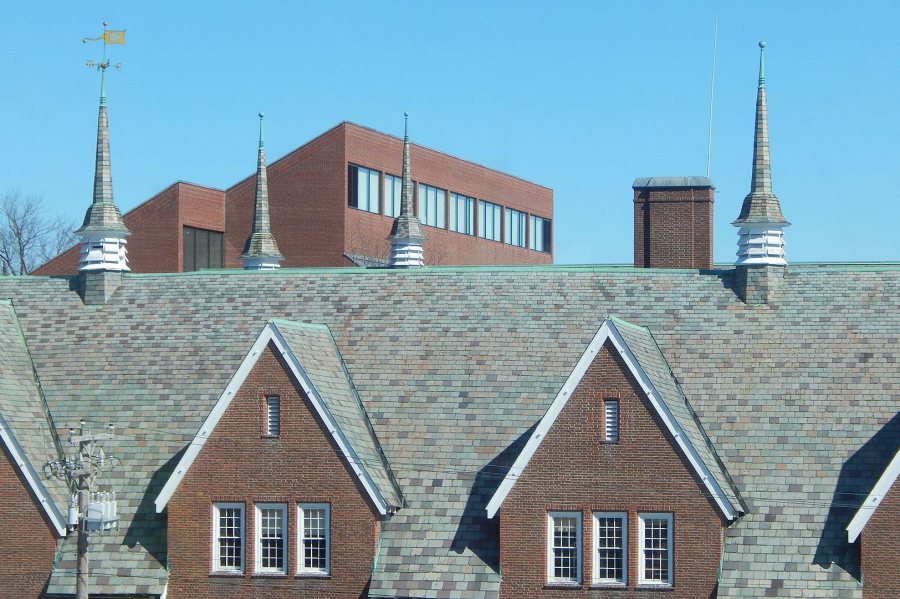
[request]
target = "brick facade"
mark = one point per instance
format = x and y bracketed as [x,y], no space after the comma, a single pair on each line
[27,538]
[880,549]
[310,216]
[673,227]
[574,470]
[240,464]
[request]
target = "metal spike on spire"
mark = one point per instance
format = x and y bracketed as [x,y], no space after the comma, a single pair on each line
[761,220]
[406,233]
[261,251]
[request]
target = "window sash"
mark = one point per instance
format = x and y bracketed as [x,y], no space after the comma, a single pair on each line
[538,233]
[271,526]
[228,537]
[392,188]
[656,557]
[365,189]
[273,415]
[515,227]
[611,420]
[610,548]
[314,538]
[489,220]
[432,206]
[564,547]
[462,214]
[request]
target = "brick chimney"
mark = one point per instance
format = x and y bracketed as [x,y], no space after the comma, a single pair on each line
[673,222]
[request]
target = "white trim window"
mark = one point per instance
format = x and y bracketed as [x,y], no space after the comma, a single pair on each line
[656,549]
[564,547]
[271,529]
[610,548]
[610,420]
[432,206]
[393,185]
[515,227]
[273,415]
[314,538]
[490,217]
[462,214]
[363,188]
[228,538]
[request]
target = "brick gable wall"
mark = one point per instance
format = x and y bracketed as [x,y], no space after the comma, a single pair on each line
[573,470]
[239,464]
[880,550]
[27,539]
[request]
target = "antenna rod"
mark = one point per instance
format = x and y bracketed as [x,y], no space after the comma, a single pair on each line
[712,97]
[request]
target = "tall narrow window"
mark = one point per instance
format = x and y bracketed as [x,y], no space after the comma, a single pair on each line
[515,227]
[564,547]
[392,187]
[271,524]
[273,415]
[313,542]
[538,233]
[228,537]
[201,249]
[432,206]
[611,420]
[363,188]
[462,214]
[610,547]
[655,559]
[489,220]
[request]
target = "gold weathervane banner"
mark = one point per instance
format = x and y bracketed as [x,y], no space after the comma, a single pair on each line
[111,36]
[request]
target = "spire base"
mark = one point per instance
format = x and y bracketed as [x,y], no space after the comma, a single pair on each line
[102,251]
[407,253]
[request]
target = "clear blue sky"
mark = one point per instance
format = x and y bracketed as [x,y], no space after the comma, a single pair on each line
[579,96]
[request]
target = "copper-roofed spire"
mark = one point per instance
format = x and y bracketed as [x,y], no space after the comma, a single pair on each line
[261,250]
[406,234]
[761,222]
[103,231]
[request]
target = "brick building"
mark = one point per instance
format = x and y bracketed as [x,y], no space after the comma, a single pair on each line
[332,203]
[513,431]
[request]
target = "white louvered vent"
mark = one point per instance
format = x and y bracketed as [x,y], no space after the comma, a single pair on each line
[611,420]
[273,415]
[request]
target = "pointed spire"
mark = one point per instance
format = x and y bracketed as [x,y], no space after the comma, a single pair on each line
[261,250]
[103,231]
[406,233]
[760,221]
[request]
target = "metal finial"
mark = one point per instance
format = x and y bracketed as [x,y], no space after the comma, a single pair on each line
[406,126]
[762,64]
[261,117]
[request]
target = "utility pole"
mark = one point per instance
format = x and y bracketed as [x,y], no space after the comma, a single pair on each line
[88,512]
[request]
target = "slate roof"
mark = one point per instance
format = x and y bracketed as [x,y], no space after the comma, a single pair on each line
[800,397]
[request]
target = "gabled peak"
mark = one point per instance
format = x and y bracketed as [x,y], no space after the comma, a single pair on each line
[260,250]
[406,233]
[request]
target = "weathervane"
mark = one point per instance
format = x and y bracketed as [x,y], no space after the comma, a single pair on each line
[109,37]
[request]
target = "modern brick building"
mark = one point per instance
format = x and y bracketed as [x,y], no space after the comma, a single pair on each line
[332,202]
[409,431]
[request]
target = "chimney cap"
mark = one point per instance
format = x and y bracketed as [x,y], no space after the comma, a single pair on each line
[672,182]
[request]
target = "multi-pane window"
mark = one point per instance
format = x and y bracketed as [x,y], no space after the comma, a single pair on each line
[538,233]
[201,249]
[363,188]
[313,542]
[655,559]
[228,537]
[462,214]
[271,524]
[611,420]
[610,544]
[515,227]
[564,547]
[392,187]
[273,415]
[489,220]
[432,206]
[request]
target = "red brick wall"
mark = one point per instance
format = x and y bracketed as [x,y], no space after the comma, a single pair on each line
[306,199]
[239,464]
[199,207]
[880,549]
[673,227]
[573,470]
[385,153]
[27,539]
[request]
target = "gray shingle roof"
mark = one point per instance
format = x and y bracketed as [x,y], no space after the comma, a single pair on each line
[454,365]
